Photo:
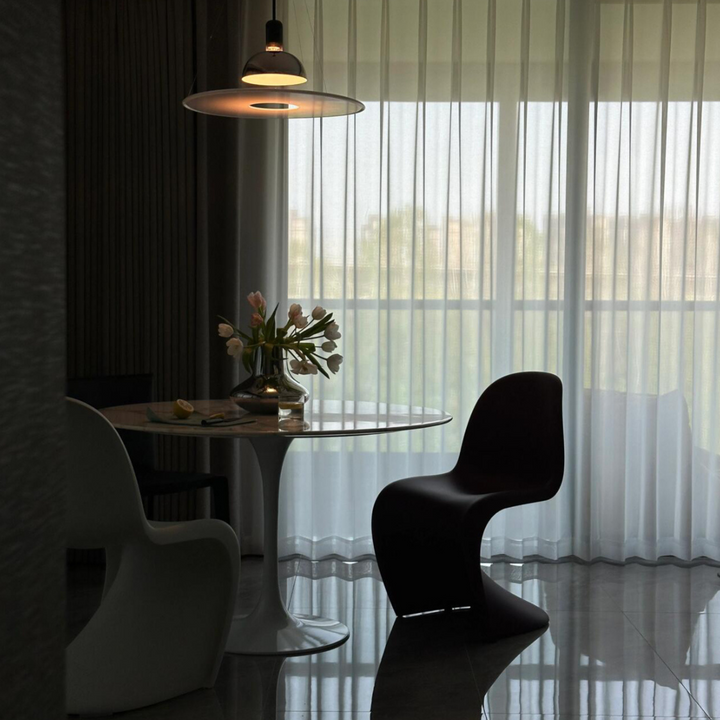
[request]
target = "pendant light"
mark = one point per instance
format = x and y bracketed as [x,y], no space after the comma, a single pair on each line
[272,74]
[274,67]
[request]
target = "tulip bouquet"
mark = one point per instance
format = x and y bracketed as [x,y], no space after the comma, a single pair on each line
[302,339]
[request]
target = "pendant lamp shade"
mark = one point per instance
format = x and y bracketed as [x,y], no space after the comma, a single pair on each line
[273,69]
[272,72]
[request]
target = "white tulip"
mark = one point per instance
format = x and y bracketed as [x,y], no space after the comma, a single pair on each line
[328,346]
[333,363]
[225,330]
[234,347]
[300,321]
[332,331]
[319,313]
[308,368]
[294,310]
[303,367]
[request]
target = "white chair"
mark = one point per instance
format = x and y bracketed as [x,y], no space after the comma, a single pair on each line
[170,588]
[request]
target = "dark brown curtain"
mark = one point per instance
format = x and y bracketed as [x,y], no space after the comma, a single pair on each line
[172,217]
[132,230]
[136,170]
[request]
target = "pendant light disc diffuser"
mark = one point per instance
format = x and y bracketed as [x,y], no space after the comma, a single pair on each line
[264,104]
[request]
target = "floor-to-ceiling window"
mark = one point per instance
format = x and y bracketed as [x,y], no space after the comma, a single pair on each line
[515,199]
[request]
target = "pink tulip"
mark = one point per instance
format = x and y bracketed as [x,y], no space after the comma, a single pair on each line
[257,301]
[256,320]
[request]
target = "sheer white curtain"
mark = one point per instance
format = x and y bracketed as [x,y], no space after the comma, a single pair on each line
[534,185]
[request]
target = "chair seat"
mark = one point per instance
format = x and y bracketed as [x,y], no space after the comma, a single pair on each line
[452,497]
[161,482]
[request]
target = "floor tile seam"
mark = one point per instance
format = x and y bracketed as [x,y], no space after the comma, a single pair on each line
[569,716]
[321,713]
[611,598]
[703,611]
[667,612]
[480,696]
[665,663]
[291,594]
[492,715]
[315,609]
[279,660]
[588,611]
[705,715]
[271,691]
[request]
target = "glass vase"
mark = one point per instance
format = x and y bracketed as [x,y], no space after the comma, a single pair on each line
[271,390]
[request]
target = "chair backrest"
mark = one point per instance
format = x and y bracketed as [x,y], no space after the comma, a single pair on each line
[102,392]
[103,500]
[515,433]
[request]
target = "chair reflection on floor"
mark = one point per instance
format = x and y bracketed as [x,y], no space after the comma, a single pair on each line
[424,667]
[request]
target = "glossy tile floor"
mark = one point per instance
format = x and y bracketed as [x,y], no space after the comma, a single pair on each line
[630,641]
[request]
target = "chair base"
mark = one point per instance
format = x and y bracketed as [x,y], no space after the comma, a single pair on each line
[498,614]
[505,614]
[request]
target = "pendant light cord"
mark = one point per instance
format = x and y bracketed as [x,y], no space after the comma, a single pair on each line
[274,10]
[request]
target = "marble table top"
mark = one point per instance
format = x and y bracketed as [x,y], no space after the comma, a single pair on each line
[323,418]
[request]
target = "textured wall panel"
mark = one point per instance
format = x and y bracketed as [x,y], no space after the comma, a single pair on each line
[32,361]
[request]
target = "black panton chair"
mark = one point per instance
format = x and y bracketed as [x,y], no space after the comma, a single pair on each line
[102,392]
[427,530]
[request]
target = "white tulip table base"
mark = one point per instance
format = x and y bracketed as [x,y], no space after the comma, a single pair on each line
[270,629]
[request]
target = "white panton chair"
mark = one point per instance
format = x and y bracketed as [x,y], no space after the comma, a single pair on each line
[170,588]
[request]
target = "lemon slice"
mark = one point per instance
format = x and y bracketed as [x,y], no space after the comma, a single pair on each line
[182,409]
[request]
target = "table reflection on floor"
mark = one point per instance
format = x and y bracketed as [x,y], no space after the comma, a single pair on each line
[623,642]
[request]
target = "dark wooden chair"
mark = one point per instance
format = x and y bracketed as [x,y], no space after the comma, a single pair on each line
[102,392]
[427,531]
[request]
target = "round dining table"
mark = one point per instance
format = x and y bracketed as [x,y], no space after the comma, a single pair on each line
[270,629]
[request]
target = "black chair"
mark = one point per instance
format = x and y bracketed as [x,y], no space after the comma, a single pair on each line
[427,530]
[102,392]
